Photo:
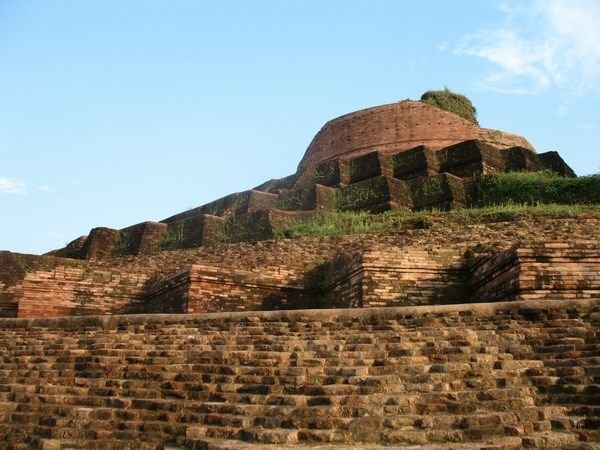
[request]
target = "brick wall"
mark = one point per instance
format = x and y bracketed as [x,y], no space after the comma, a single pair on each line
[539,270]
[402,276]
[168,295]
[67,291]
[504,375]
[394,127]
[409,267]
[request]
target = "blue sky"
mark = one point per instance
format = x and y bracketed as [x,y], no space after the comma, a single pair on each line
[116,112]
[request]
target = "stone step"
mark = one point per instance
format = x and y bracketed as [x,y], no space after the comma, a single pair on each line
[549,439]
[507,443]
[362,430]
[298,352]
[94,444]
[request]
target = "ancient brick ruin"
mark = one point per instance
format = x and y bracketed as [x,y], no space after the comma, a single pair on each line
[203,331]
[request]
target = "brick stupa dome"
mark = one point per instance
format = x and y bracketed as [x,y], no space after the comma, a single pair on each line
[396,127]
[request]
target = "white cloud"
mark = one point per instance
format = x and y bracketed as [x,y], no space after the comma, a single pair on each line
[9,185]
[12,186]
[547,44]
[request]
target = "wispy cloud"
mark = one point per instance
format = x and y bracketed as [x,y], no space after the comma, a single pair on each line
[547,44]
[10,185]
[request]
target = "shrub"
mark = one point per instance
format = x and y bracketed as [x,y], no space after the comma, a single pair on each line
[453,102]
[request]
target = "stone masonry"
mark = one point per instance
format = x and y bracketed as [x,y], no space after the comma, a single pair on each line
[497,375]
[402,156]
[431,266]
[209,330]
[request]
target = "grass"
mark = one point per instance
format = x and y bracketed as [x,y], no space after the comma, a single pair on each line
[348,222]
[533,188]
[453,102]
[172,237]
[354,197]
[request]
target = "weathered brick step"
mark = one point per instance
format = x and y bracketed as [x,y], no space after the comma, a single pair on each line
[103,386]
[421,403]
[96,444]
[190,355]
[299,417]
[570,399]
[363,386]
[153,409]
[363,430]
[77,437]
[302,385]
[549,439]
[142,379]
[158,373]
[507,443]
[152,349]
[580,388]
[96,401]
[580,361]
[573,423]
[441,372]
[579,410]
[376,401]
[335,393]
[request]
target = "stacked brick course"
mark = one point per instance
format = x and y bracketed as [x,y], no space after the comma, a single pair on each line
[181,348]
[403,156]
[539,270]
[436,265]
[398,127]
[503,375]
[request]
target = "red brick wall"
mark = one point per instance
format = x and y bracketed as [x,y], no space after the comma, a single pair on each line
[414,275]
[397,126]
[67,291]
[408,267]
[215,289]
[540,270]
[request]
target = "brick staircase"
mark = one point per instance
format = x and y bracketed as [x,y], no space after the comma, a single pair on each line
[502,375]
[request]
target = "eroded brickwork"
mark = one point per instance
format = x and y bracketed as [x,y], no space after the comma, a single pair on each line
[402,156]
[440,264]
[504,375]
[539,270]
[395,127]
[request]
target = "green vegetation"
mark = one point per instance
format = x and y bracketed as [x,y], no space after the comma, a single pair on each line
[327,172]
[240,204]
[430,188]
[453,102]
[34,263]
[251,227]
[496,197]
[121,244]
[354,197]
[533,188]
[295,200]
[333,224]
[343,223]
[353,168]
[230,226]
[172,237]
[404,161]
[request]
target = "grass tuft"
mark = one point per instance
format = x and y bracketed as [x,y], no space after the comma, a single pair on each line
[453,102]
